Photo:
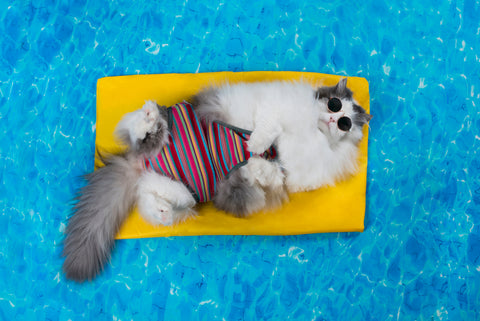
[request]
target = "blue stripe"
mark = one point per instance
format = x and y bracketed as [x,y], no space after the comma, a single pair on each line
[151,165]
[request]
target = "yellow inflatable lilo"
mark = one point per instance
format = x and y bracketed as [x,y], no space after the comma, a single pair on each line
[330,209]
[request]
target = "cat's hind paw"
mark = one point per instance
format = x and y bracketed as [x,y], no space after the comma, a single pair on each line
[162,201]
[155,210]
[159,211]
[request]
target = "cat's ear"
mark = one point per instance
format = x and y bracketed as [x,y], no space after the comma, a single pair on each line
[341,86]
[341,89]
[367,117]
[361,117]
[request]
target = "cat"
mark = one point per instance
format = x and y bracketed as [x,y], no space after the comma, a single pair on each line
[292,137]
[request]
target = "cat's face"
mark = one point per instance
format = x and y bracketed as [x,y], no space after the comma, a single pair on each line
[341,118]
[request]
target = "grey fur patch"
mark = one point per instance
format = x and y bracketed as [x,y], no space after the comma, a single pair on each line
[361,117]
[275,197]
[207,105]
[102,206]
[236,195]
[340,90]
[123,135]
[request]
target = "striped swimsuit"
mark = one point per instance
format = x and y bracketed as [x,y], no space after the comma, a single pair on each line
[201,154]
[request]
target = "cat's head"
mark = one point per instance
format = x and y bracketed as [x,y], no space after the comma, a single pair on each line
[341,118]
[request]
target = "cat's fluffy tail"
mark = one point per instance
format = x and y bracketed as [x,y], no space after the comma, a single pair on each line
[102,205]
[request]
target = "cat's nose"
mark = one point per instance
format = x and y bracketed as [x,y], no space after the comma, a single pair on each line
[336,116]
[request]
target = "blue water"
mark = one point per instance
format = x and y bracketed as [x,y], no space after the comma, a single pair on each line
[419,257]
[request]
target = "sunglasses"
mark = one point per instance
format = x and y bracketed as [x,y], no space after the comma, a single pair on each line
[344,123]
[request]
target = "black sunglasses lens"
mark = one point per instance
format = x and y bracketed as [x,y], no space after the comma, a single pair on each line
[344,123]
[334,105]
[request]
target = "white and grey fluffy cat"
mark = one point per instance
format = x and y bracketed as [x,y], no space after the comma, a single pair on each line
[316,132]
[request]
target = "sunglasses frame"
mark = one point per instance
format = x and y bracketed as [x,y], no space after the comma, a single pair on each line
[343,117]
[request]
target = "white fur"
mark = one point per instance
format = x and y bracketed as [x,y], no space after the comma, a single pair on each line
[311,148]
[162,201]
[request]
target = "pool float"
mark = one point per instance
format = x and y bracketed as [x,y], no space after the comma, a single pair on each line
[330,209]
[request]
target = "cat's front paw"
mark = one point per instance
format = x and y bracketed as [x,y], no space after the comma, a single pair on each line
[257,146]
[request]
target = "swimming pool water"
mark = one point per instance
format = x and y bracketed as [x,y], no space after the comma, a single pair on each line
[419,257]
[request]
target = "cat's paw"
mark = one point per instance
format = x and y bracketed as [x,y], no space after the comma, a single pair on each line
[266,173]
[151,112]
[239,195]
[162,201]
[257,145]
[271,178]
[151,131]
[146,126]
[164,212]
[263,136]
[156,210]
[147,120]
